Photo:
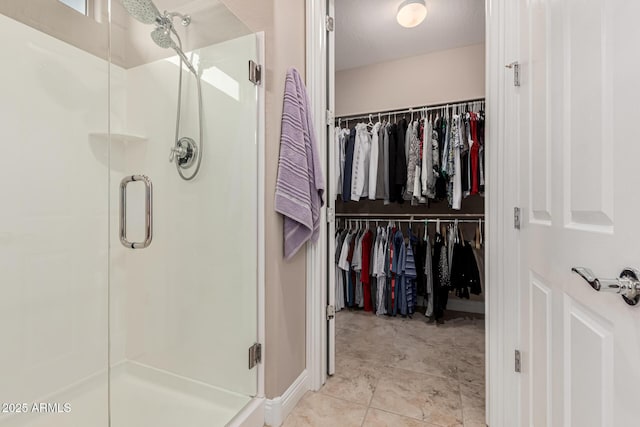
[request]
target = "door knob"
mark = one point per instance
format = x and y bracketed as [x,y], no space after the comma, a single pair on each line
[627,285]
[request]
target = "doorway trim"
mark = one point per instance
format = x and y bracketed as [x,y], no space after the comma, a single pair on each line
[502,298]
[316,80]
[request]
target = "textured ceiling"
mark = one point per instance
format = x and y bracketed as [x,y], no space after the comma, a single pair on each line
[367,31]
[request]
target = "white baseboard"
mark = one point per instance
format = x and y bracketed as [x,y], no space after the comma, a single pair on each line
[465,305]
[277,409]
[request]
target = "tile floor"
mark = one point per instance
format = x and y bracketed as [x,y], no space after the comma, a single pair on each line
[401,372]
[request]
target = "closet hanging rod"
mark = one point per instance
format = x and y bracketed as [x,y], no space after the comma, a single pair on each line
[417,220]
[415,217]
[411,110]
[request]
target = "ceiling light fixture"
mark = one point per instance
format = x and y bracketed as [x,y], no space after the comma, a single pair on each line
[411,13]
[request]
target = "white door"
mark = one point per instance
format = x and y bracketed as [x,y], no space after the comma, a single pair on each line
[332,193]
[579,113]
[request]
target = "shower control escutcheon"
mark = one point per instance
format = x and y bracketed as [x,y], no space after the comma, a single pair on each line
[184,153]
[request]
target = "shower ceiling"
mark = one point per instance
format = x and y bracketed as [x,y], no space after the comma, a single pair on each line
[214,23]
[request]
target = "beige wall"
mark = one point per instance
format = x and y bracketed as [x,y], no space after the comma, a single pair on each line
[439,77]
[283,22]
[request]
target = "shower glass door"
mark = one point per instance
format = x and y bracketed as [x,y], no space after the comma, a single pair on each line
[54,210]
[183,311]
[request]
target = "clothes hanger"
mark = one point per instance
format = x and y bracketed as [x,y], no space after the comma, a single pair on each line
[455,230]
[461,235]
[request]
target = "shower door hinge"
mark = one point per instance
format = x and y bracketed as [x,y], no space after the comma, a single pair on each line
[255,355]
[516,72]
[255,73]
[331,312]
[331,215]
[329,118]
[518,361]
[516,218]
[328,23]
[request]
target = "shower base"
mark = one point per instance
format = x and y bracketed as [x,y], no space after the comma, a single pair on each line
[141,397]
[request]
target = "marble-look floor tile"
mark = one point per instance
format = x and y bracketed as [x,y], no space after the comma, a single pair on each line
[470,366]
[474,417]
[409,373]
[319,410]
[355,380]
[473,395]
[429,398]
[377,418]
[423,358]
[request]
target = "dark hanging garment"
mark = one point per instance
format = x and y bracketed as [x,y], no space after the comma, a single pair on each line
[441,181]
[440,277]
[401,161]
[475,155]
[420,251]
[458,272]
[465,277]
[367,241]
[351,279]
[348,166]
[482,150]
[393,152]
[464,155]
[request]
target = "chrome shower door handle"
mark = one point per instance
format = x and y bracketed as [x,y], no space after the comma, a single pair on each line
[627,285]
[148,217]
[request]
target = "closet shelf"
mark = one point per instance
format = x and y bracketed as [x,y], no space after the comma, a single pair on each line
[119,137]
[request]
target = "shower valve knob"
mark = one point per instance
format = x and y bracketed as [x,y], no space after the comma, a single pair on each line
[184,153]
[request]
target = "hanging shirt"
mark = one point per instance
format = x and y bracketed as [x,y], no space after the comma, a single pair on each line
[428,272]
[456,143]
[481,150]
[428,175]
[341,142]
[380,172]
[366,258]
[475,155]
[413,146]
[360,171]
[397,161]
[410,278]
[386,161]
[348,165]
[373,161]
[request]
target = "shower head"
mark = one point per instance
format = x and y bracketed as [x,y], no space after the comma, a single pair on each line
[143,10]
[162,37]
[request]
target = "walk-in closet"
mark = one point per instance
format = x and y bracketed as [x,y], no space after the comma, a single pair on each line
[407,184]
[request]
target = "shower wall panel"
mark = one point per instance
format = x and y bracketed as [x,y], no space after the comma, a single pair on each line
[53,226]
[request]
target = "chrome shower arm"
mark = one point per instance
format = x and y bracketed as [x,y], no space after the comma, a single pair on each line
[185,19]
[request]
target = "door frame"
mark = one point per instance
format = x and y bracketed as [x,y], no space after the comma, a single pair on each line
[502,298]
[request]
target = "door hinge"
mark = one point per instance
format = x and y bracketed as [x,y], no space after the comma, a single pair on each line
[329,118]
[331,215]
[255,73]
[331,312]
[255,355]
[516,72]
[329,23]
[518,361]
[516,218]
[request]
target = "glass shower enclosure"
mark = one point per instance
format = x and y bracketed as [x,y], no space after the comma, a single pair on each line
[128,294]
